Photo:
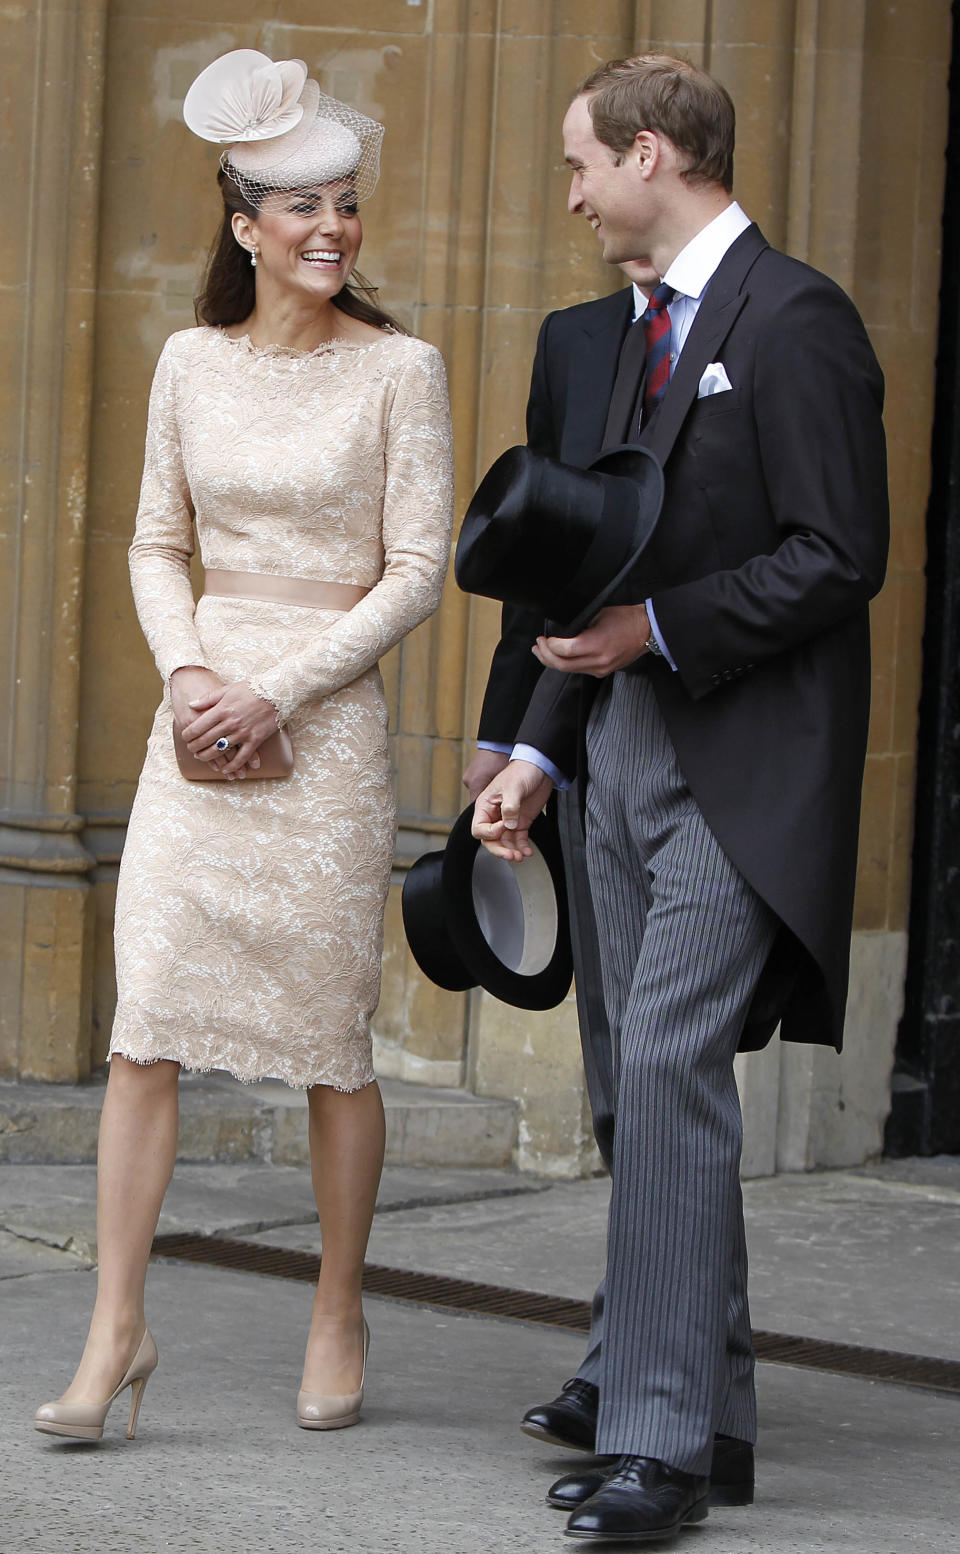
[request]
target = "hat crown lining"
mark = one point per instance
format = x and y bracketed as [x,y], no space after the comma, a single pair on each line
[516,910]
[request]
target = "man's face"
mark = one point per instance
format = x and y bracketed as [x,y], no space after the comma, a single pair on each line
[612,197]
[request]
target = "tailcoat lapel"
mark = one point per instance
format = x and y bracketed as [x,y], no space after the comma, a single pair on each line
[594,358]
[725,297]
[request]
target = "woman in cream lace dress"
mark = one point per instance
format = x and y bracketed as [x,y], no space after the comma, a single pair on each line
[307,443]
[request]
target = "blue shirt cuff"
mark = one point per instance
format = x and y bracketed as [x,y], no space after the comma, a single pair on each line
[527,753]
[491,744]
[652,618]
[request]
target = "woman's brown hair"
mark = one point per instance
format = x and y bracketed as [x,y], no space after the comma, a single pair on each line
[228,288]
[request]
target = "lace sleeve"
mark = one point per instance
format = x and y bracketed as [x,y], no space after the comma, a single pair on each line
[164,539]
[417,518]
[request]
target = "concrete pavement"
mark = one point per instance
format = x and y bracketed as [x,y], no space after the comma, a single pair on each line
[437,1465]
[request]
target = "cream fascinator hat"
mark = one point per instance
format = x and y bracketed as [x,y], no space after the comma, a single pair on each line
[281,132]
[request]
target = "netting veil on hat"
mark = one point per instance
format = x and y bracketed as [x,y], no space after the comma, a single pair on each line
[280,130]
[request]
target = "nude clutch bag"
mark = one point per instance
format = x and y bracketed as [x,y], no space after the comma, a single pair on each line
[276,759]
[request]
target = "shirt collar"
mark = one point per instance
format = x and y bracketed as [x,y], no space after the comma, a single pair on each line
[695,264]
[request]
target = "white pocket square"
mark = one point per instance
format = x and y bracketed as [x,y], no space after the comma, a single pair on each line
[714,381]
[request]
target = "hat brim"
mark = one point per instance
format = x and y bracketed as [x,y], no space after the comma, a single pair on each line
[426,926]
[475,920]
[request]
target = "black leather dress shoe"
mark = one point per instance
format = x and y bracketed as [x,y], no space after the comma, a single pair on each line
[641,1501]
[731,1477]
[570,1420]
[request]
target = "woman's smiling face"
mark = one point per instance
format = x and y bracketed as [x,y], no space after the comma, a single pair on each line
[307,240]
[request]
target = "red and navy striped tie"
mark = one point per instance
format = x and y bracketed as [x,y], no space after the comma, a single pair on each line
[656,333]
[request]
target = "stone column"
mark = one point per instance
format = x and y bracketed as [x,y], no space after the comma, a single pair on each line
[842,180]
[876,180]
[498,252]
[50,237]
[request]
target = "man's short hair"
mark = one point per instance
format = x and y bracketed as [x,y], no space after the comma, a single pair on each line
[671,97]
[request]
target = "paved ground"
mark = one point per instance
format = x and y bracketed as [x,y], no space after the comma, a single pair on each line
[437,1465]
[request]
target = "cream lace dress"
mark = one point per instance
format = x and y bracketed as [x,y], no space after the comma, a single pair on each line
[249,919]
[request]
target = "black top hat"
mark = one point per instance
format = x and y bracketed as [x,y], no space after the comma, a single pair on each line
[472,919]
[560,540]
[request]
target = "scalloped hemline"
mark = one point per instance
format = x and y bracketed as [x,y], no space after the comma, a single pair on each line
[247,1078]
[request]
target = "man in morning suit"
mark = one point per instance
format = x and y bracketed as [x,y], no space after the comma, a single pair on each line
[718,731]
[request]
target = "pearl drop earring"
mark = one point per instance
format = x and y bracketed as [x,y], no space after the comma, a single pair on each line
[253,257]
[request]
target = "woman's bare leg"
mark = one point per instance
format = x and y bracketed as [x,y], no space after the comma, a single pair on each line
[346,1158]
[137,1150]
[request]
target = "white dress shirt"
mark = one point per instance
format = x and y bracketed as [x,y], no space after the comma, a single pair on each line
[692,271]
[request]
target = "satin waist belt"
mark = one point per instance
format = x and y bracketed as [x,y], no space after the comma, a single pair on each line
[283,590]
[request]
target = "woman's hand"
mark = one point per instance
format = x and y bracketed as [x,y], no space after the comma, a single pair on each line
[187,686]
[231,712]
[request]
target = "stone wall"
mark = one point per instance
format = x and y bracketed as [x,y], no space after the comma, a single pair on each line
[842,125]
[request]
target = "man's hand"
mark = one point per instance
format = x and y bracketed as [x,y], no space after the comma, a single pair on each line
[507,808]
[232,712]
[485,765]
[617,637]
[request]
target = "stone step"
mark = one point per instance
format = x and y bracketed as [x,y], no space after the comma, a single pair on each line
[223,1120]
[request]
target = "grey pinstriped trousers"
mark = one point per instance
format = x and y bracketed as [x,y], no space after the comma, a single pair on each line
[681,940]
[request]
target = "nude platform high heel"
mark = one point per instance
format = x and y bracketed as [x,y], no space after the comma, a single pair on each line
[85,1421]
[317,1412]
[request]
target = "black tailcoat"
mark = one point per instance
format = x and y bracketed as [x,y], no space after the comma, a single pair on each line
[772,539]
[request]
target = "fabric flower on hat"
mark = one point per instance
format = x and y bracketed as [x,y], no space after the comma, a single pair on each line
[245,96]
[280,131]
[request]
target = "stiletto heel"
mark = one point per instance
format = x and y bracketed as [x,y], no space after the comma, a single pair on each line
[318,1412]
[85,1421]
[137,1389]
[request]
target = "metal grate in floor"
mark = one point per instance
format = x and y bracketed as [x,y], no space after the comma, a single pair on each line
[427,1289]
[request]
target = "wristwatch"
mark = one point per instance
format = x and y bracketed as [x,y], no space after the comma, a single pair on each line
[653,646]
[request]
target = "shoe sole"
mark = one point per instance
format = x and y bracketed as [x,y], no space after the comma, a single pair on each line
[342,1423]
[720,1494]
[74,1432]
[696,1513]
[538,1433]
